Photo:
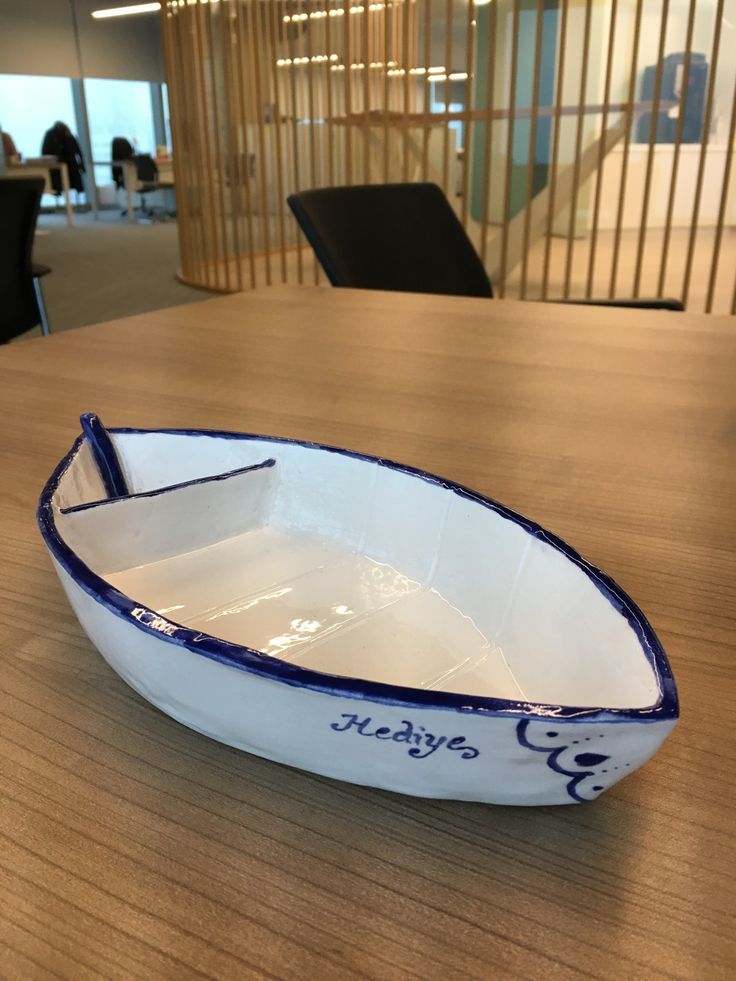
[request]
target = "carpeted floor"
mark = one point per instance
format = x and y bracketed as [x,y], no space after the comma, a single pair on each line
[107,268]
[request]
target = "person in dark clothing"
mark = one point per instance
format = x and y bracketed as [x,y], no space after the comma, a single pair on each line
[60,142]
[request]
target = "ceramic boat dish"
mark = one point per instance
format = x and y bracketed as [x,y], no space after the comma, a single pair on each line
[354,617]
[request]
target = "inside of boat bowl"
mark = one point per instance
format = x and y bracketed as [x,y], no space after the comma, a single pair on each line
[346,566]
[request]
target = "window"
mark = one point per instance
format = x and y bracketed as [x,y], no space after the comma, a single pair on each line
[118,108]
[31,104]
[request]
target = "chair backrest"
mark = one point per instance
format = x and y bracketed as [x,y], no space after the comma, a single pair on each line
[146,168]
[390,237]
[122,149]
[20,199]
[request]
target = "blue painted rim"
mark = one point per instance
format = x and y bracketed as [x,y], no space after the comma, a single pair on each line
[247,659]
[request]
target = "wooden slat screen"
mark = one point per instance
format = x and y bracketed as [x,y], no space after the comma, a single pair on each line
[586,145]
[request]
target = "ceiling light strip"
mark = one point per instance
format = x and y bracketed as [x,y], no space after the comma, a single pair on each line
[136,8]
[334,12]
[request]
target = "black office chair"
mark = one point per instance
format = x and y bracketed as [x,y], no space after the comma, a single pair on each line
[402,237]
[146,170]
[122,149]
[21,299]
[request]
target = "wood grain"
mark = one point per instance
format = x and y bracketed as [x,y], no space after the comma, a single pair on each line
[133,847]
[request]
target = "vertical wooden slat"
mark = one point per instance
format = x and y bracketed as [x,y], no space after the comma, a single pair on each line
[219,174]
[448,99]
[309,74]
[578,148]
[602,150]
[302,75]
[509,151]
[469,48]
[406,78]
[232,155]
[348,37]
[687,58]
[413,45]
[182,43]
[254,38]
[365,23]
[627,143]
[487,134]
[707,116]
[181,153]
[725,188]
[329,93]
[173,49]
[386,21]
[243,120]
[293,130]
[181,157]
[531,158]
[208,172]
[427,98]
[555,146]
[276,125]
[291,146]
[652,144]
[235,123]
[188,39]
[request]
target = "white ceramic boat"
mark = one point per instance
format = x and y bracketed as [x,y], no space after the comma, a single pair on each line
[354,617]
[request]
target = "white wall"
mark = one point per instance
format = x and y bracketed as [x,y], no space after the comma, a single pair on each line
[37,38]
[119,47]
[660,186]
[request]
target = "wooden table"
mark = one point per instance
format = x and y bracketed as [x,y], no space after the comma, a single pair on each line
[133,847]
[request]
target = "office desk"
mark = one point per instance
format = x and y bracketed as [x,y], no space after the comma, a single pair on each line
[133,846]
[39,167]
[165,170]
[130,179]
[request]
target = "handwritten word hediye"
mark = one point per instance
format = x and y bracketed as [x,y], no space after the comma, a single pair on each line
[423,743]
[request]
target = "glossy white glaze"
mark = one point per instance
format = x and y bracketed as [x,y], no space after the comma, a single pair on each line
[362,571]
[324,608]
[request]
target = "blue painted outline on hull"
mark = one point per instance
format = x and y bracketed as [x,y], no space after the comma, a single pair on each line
[247,659]
[552,756]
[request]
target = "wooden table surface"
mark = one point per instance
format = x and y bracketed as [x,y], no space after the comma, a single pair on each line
[134,847]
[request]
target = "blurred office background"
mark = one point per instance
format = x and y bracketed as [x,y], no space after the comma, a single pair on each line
[586,145]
